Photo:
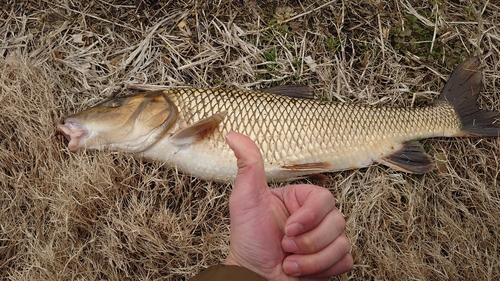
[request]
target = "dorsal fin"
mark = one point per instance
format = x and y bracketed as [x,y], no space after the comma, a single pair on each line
[197,131]
[293,91]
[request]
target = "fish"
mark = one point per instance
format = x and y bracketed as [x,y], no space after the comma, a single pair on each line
[299,136]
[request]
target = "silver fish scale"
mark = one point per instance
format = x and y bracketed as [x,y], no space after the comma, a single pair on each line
[307,131]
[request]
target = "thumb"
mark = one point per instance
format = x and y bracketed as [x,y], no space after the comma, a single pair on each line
[250,181]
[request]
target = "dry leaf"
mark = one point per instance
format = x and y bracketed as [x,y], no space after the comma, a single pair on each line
[311,63]
[181,24]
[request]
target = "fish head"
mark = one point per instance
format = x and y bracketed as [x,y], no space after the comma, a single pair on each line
[131,123]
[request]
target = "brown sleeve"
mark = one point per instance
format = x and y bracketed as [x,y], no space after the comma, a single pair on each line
[227,272]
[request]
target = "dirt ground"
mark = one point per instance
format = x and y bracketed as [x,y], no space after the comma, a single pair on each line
[100,215]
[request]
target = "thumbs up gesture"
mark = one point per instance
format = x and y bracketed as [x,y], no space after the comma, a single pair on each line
[289,233]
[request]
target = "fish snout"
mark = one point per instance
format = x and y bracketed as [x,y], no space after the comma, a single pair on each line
[75,133]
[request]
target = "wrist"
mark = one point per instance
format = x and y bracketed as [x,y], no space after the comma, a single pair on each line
[231,260]
[227,272]
[266,271]
[235,260]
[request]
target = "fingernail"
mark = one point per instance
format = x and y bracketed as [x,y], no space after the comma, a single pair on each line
[228,140]
[291,268]
[294,229]
[289,246]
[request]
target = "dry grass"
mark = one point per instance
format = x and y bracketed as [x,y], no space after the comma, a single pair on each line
[107,216]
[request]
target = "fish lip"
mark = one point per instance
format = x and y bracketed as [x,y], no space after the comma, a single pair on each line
[75,133]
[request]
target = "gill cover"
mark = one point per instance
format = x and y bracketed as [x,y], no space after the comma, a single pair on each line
[132,123]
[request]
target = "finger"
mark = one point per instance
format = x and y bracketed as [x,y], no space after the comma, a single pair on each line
[343,265]
[304,265]
[251,179]
[314,279]
[314,203]
[318,238]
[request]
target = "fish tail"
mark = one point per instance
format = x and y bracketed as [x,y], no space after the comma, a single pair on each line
[461,92]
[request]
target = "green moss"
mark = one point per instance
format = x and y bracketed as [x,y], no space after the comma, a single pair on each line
[416,38]
[217,82]
[471,12]
[270,54]
[412,37]
[269,68]
[333,43]
[297,63]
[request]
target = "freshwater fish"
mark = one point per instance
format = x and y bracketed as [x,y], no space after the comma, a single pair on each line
[298,136]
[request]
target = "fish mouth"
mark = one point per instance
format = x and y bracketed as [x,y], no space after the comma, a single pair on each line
[75,133]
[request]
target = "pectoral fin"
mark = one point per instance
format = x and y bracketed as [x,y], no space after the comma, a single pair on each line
[320,179]
[411,158]
[198,130]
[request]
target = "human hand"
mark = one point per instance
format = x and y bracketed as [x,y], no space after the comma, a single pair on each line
[289,233]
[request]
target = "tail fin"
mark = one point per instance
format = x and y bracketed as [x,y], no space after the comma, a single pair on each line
[461,92]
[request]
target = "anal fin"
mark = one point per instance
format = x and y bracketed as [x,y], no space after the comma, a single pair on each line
[411,158]
[319,167]
[198,131]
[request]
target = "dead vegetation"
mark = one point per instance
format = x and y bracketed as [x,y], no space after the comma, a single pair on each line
[107,216]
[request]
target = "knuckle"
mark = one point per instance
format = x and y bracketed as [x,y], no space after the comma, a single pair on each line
[307,245]
[313,266]
[311,217]
[326,195]
[343,244]
[339,221]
